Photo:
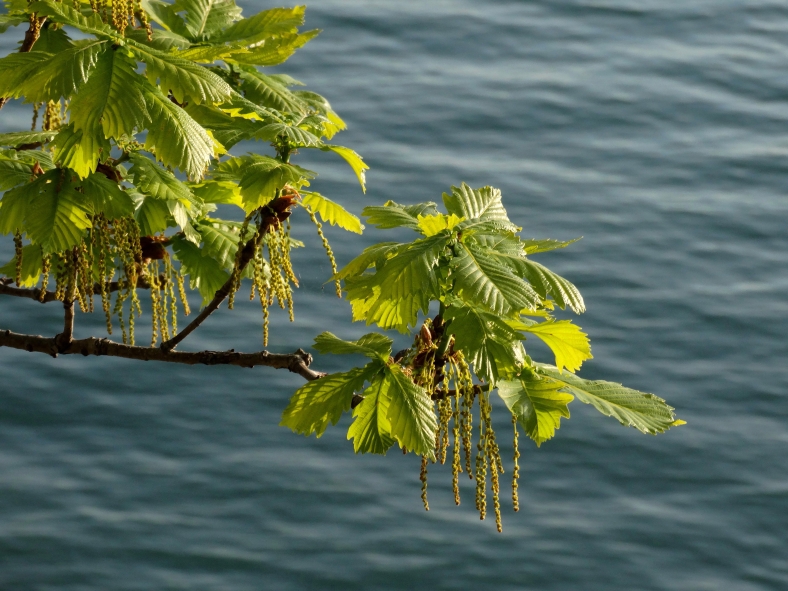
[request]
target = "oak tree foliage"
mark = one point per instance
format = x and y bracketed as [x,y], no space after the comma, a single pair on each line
[137,106]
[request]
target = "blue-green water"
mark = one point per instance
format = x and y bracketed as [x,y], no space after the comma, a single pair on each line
[659,132]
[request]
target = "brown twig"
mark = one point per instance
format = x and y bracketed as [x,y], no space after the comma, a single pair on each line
[297,362]
[278,209]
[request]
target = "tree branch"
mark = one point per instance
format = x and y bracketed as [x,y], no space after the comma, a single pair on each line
[279,213]
[297,362]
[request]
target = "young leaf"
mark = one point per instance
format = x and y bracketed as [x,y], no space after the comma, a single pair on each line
[220,241]
[430,225]
[403,285]
[371,428]
[276,21]
[353,159]
[372,345]
[157,182]
[205,273]
[166,16]
[152,214]
[332,212]
[183,78]
[205,18]
[546,283]
[57,215]
[483,204]
[13,172]
[410,412]
[537,403]
[487,341]
[105,196]
[275,50]
[533,246]
[481,280]
[394,215]
[176,139]
[569,344]
[31,265]
[372,255]
[20,138]
[60,12]
[321,401]
[267,91]
[111,98]
[645,412]
[81,149]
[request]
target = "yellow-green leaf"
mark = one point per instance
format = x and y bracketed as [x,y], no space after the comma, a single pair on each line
[332,212]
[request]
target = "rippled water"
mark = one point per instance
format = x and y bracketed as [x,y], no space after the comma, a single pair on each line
[658,131]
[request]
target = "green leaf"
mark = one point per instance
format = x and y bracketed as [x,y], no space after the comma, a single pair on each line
[261,177]
[220,241]
[353,159]
[57,215]
[371,428]
[276,21]
[537,403]
[13,171]
[151,214]
[321,401]
[162,40]
[645,412]
[60,12]
[81,149]
[332,212]
[105,196]
[31,265]
[372,255]
[7,20]
[53,40]
[111,98]
[533,246]
[165,15]
[205,18]
[403,285]
[483,204]
[267,91]
[13,205]
[275,51]
[40,76]
[20,138]
[546,283]
[431,225]
[157,182]
[372,345]
[183,78]
[394,215]
[481,280]
[297,137]
[175,138]
[567,341]
[487,341]
[410,413]
[205,273]
[218,192]
[333,123]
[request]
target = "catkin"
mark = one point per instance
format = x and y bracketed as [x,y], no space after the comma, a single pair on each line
[423,478]
[45,263]
[327,248]
[18,255]
[516,469]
